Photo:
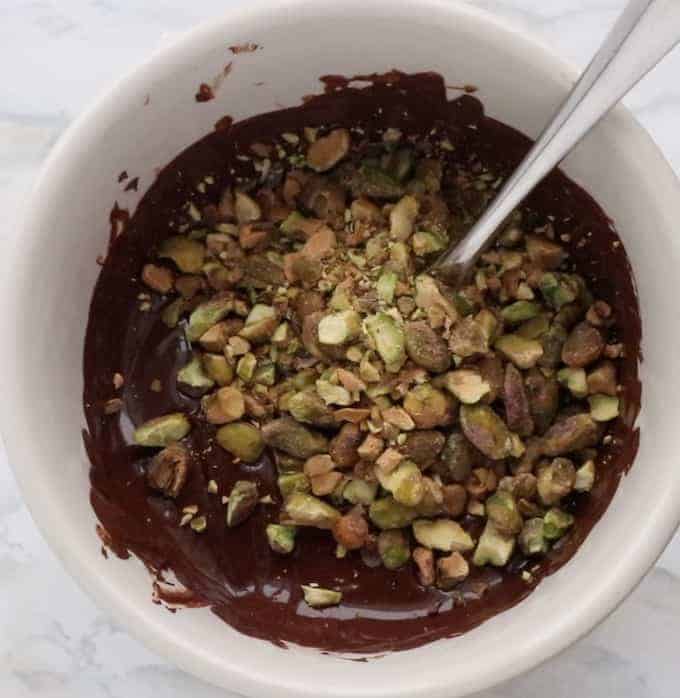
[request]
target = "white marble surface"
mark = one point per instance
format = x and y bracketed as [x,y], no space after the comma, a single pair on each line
[55,56]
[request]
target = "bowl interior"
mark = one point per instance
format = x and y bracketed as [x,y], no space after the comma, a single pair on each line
[144,123]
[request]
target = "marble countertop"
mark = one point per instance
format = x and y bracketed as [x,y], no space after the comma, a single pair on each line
[55,56]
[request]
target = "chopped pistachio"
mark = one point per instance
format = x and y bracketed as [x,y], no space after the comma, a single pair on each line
[442,534]
[360,492]
[486,430]
[524,353]
[242,440]
[393,549]
[425,243]
[261,322]
[425,347]
[603,408]
[501,509]
[231,403]
[162,431]
[333,394]
[293,438]
[428,406]
[217,368]
[327,151]
[556,481]
[187,254]
[386,285]
[172,312]
[339,328]
[307,510]
[265,374]
[281,538]
[575,380]
[520,311]
[405,483]
[245,368]
[532,540]
[246,208]
[467,385]
[585,477]
[316,597]
[493,548]
[556,523]
[534,328]
[387,513]
[199,524]
[192,378]
[243,499]
[558,289]
[388,338]
[168,470]
[402,218]
[570,434]
[293,482]
[451,570]
[308,406]
[208,314]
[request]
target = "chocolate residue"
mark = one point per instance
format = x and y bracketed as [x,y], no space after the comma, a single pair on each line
[132,185]
[123,176]
[248,47]
[233,570]
[118,221]
[205,93]
[224,124]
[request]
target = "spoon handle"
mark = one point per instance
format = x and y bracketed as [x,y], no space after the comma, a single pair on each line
[646,31]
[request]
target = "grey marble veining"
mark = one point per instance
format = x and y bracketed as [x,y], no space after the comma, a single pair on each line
[55,56]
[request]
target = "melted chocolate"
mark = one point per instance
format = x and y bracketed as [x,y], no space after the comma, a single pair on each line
[233,570]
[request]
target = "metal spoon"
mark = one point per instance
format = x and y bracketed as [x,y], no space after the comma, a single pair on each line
[646,31]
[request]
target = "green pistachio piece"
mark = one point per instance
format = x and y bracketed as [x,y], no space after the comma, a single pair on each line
[333,394]
[162,431]
[425,243]
[544,253]
[429,407]
[281,538]
[288,464]
[457,459]
[501,509]
[486,430]
[534,328]
[376,183]
[552,342]
[208,314]
[339,328]
[388,338]
[585,477]
[574,379]
[306,510]
[217,367]
[570,434]
[293,223]
[532,540]
[387,513]
[192,379]
[173,312]
[493,548]
[187,254]
[245,368]
[386,285]
[377,250]
[520,311]
[265,374]
[559,289]
[293,482]
[308,407]
[469,337]
[402,218]
[242,502]
[400,259]
[316,597]
[260,323]
[556,523]
[393,549]
[398,163]
[360,492]
[242,440]
[467,385]
[556,481]
[430,297]
[524,353]
[425,347]
[442,534]
[423,446]
[603,408]
[405,483]
[289,436]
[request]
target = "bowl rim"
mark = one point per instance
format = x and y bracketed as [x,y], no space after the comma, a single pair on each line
[46,515]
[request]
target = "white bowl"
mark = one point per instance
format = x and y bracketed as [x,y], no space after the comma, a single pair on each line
[50,272]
